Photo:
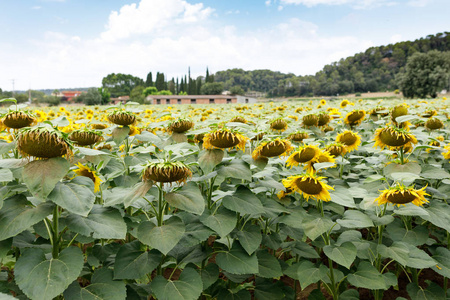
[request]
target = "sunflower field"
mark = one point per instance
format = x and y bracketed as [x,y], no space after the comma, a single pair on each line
[295,200]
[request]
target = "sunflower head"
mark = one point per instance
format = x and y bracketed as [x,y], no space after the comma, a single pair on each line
[327,128]
[344,103]
[309,186]
[18,119]
[85,137]
[323,157]
[298,136]
[180,125]
[324,118]
[311,120]
[399,110]
[393,137]
[122,117]
[239,119]
[278,124]
[355,117]
[43,142]
[433,124]
[198,138]
[99,126]
[349,139]
[166,172]
[429,113]
[336,149]
[224,138]
[303,155]
[447,153]
[258,136]
[401,195]
[88,172]
[272,148]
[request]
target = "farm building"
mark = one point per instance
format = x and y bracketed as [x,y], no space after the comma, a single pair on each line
[199,99]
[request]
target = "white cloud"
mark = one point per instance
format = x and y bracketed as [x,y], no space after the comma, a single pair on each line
[357,4]
[36,7]
[396,38]
[419,3]
[138,40]
[268,3]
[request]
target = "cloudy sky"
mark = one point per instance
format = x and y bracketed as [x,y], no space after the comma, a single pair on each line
[75,43]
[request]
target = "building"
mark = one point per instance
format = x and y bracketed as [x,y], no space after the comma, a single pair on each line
[121,99]
[68,96]
[199,99]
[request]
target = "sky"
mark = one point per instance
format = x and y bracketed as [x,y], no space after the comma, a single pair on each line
[55,44]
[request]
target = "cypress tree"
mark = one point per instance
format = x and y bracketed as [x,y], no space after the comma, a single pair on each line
[149,81]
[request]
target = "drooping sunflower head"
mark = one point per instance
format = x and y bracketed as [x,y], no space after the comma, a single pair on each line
[43,142]
[429,113]
[180,125]
[272,148]
[258,137]
[239,119]
[344,103]
[311,120]
[309,186]
[336,149]
[323,157]
[18,119]
[355,117]
[327,128]
[298,136]
[351,140]
[85,137]
[278,124]
[391,136]
[122,117]
[401,195]
[223,139]
[198,138]
[324,118]
[99,126]
[399,110]
[88,172]
[433,124]
[166,172]
[303,155]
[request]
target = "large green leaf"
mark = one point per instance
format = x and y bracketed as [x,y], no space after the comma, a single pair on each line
[188,287]
[41,176]
[432,292]
[210,274]
[344,254]
[307,273]
[74,196]
[209,158]
[410,167]
[236,169]
[133,263]
[41,278]
[398,251]
[268,265]
[17,215]
[250,238]
[222,222]
[355,219]
[315,226]
[438,214]
[419,259]
[243,201]
[120,133]
[237,261]
[102,287]
[164,237]
[367,276]
[188,198]
[6,175]
[342,196]
[101,223]
[442,257]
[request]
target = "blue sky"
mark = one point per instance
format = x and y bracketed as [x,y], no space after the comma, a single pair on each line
[75,43]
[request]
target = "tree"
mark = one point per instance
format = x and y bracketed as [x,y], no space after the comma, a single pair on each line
[121,84]
[149,81]
[214,88]
[151,90]
[237,90]
[92,97]
[160,83]
[137,94]
[106,95]
[426,74]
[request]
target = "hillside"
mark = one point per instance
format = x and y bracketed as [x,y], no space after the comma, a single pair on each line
[371,71]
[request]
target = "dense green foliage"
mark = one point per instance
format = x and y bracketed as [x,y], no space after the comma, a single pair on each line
[121,84]
[214,88]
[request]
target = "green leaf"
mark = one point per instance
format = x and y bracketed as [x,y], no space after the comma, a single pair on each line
[101,223]
[419,259]
[344,254]
[250,238]
[432,292]
[355,219]
[90,152]
[266,290]
[102,287]
[398,251]
[41,176]
[236,169]
[268,265]
[431,172]
[411,210]
[438,214]
[410,167]
[442,257]
[237,261]
[120,133]
[343,197]
[210,274]
[6,297]
[17,215]
[315,226]
[306,273]
[133,263]
[209,158]
[244,202]
[6,175]
[164,237]
[188,198]
[350,295]
[188,287]
[223,222]
[74,196]
[227,294]
[41,278]
[367,276]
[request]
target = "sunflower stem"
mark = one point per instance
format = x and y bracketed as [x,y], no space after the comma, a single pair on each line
[55,250]
[160,205]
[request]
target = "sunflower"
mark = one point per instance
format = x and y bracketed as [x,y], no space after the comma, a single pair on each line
[18,119]
[336,149]
[298,136]
[349,139]
[433,124]
[344,103]
[272,148]
[323,157]
[399,110]
[223,139]
[85,137]
[429,113]
[43,142]
[166,172]
[323,102]
[121,117]
[355,117]
[238,119]
[393,137]
[303,155]
[180,125]
[400,195]
[324,119]
[446,154]
[88,172]
[278,124]
[311,120]
[309,185]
